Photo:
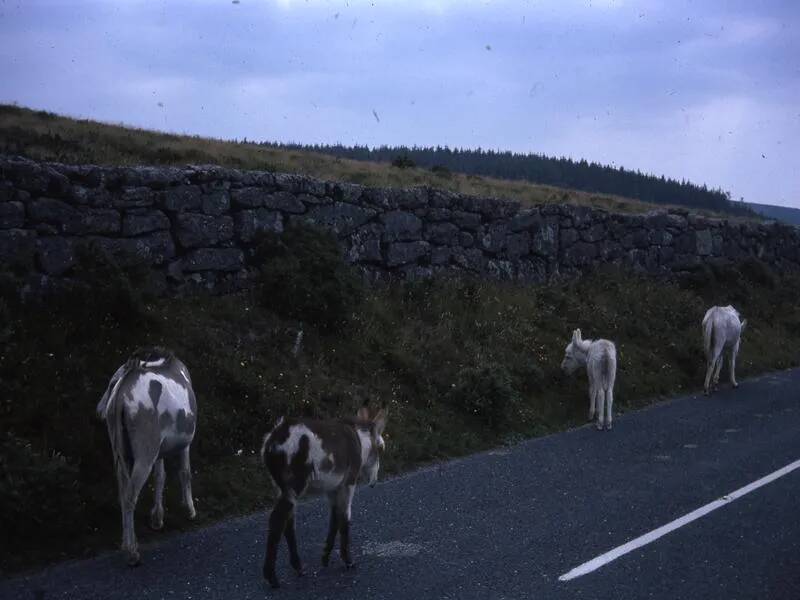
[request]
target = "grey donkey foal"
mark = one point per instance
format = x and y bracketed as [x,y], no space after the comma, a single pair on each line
[722,330]
[600,359]
[150,410]
[321,456]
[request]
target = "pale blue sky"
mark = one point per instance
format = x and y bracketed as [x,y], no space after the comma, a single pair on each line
[706,91]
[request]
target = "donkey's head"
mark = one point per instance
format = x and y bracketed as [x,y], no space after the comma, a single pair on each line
[372,422]
[574,354]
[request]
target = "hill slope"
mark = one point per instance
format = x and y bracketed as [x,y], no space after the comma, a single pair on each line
[779,213]
[45,136]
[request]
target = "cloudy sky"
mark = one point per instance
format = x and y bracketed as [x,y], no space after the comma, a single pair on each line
[707,91]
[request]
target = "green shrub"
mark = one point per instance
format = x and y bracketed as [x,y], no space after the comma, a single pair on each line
[404,161]
[487,393]
[39,495]
[304,277]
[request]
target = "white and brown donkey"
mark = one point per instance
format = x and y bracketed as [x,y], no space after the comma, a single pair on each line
[151,413]
[319,456]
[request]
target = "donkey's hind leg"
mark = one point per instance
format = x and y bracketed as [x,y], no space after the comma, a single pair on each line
[291,541]
[734,352]
[185,475]
[277,524]
[600,402]
[157,514]
[718,368]
[333,528]
[139,473]
[609,393]
[344,501]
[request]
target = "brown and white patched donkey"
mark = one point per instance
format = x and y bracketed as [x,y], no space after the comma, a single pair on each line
[319,456]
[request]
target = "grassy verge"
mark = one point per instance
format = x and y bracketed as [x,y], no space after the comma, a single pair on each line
[45,136]
[462,365]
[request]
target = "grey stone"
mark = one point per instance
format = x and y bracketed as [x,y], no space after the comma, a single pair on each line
[466,240]
[74,221]
[141,221]
[525,219]
[56,254]
[471,259]
[154,248]
[17,247]
[467,220]
[12,215]
[444,234]
[134,197]
[518,244]
[285,202]
[502,270]
[704,243]
[579,254]
[365,245]
[568,236]
[594,233]
[249,223]
[183,198]
[345,192]
[341,217]
[401,226]
[493,239]
[196,230]
[216,202]
[213,259]
[544,237]
[440,255]
[402,253]
[299,184]
[249,197]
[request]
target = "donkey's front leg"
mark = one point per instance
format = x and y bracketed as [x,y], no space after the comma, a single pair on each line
[277,523]
[333,528]
[344,502]
[157,514]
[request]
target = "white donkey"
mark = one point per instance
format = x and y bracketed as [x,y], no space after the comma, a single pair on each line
[151,412]
[600,358]
[722,330]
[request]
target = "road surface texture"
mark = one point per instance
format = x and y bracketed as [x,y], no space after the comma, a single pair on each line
[509,522]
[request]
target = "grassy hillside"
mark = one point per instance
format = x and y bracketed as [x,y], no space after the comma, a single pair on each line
[462,365]
[779,213]
[45,136]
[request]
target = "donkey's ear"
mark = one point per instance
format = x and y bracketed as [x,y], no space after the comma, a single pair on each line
[576,335]
[363,414]
[380,420]
[744,326]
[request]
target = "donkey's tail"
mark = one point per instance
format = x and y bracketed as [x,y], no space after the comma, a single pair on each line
[708,335]
[113,411]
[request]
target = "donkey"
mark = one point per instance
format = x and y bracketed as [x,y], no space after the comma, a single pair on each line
[319,456]
[150,410]
[600,358]
[722,331]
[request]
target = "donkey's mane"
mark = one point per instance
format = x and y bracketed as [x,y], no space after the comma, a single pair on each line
[149,354]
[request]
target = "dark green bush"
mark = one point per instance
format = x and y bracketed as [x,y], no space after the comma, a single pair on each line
[304,277]
[403,161]
[487,392]
[39,495]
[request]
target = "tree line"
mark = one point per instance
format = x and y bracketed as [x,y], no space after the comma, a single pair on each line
[538,168]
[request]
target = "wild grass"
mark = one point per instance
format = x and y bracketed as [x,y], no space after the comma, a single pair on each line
[45,136]
[463,365]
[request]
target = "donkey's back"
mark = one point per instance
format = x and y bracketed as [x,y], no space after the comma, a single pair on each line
[601,363]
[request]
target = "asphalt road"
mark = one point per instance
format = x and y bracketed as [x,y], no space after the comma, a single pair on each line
[508,523]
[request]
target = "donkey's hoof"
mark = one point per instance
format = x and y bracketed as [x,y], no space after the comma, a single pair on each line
[134,559]
[735,385]
[271,578]
[326,559]
[301,572]
[192,515]
[599,426]
[156,522]
[608,426]
[349,565]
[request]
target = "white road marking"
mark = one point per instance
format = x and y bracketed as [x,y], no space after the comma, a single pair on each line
[651,536]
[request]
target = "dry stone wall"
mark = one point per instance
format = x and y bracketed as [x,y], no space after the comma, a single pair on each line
[195,226]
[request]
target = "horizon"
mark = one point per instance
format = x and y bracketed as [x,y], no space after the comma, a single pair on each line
[715,88]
